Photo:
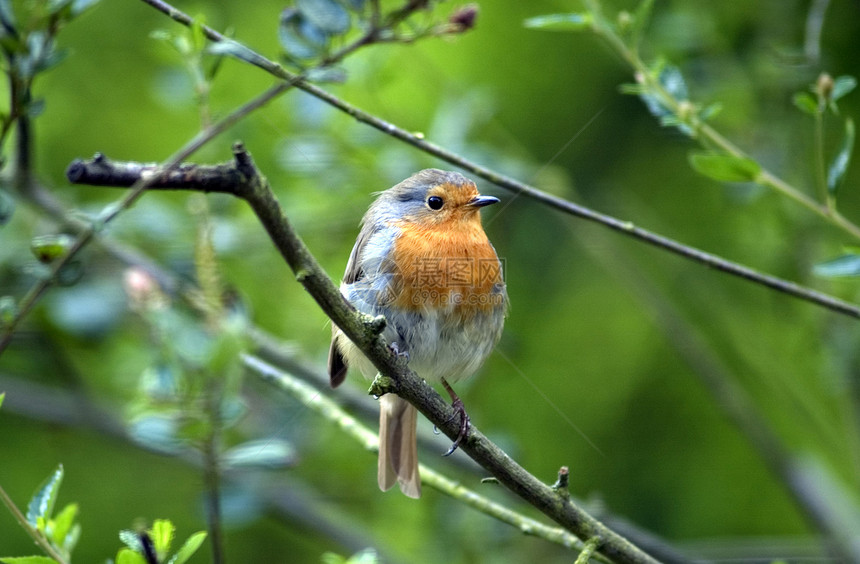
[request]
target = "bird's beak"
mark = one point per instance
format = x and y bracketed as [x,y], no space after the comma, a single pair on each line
[481,201]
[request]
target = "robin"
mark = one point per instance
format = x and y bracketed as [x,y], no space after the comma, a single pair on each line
[423,261]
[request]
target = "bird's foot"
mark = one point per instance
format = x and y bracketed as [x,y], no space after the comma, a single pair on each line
[465,422]
[395,348]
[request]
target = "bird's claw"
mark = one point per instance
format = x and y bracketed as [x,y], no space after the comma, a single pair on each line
[465,423]
[395,348]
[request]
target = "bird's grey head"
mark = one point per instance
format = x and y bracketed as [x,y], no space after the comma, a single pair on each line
[433,196]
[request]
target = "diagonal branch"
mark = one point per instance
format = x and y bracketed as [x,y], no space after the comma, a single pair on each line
[310,397]
[364,332]
[788,467]
[626,227]
[216,178]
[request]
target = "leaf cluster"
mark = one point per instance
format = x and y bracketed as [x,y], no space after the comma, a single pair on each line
[28,46]
[59,533]
[153,545]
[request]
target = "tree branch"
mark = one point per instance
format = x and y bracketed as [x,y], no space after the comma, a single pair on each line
[103,172]
[285,358]
[310,397]
[521,188]
[730,398]
[364,332]
[143,182]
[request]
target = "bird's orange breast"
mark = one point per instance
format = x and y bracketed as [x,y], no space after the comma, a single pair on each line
[451,266]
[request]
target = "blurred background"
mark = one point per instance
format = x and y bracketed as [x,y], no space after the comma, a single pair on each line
[612,351]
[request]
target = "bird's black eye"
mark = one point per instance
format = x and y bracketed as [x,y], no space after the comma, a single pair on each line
[435,202]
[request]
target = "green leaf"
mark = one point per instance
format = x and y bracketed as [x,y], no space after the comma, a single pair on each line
[640,18]
[271,453]
[560,22]
[327,74]
[29,560]
[48,248]
[128,556]
[365,556]
[161,35]
[198,38]
[841,86]
[235,49]
[157,431]
[181,43]
[162,535]
[188,548]
[300,38]
[131,540]
[672,80]
[643,12]
[71,540]
[846,266]
[328,15]
[62,524]
[632,89]
[806,103]
[840,163]
[2,397]
[42,502]
[710,111]
[725,168]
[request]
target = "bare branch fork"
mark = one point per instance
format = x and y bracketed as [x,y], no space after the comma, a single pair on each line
[242,179]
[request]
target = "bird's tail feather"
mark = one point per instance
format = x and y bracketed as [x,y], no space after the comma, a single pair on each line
[398,448]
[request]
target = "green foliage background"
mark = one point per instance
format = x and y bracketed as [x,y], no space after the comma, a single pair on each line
[584,375]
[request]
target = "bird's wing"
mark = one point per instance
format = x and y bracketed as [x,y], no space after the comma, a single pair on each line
[337,366]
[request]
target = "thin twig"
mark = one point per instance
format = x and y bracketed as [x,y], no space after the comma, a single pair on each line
[625,227]
[292,502]
[212,471]
[210,302]
[215,178]
[732,400]
[143,182]
[203,137]
[311,398]
[37,537]
[587,551]
[602,27]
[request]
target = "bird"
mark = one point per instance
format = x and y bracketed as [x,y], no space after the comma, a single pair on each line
[423,261]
